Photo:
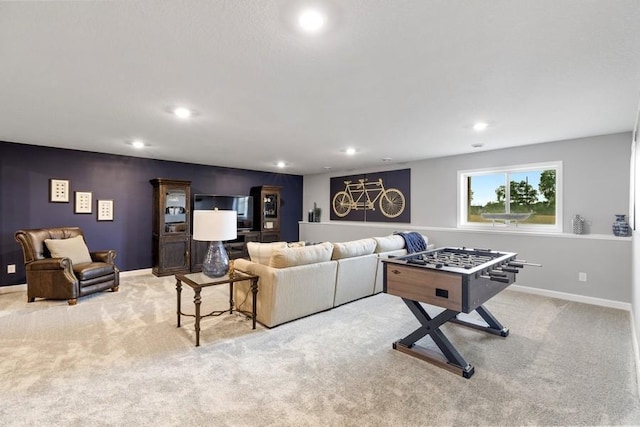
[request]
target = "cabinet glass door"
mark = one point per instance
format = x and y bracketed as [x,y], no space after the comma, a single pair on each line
[175,212]
[271,206]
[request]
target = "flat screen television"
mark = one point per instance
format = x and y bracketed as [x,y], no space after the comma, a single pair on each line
[241,204]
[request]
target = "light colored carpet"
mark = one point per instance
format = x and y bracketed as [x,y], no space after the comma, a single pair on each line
[118,359]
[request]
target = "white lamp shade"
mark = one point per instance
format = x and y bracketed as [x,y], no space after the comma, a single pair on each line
[215,225]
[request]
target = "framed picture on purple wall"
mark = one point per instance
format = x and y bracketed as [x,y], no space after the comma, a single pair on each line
[105,210]
[377,197]
[59,190]
[83,202]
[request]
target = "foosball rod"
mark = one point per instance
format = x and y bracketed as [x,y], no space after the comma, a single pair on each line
[508,269]
[524,262]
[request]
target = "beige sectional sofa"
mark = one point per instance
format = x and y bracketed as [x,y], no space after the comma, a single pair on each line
[296,280]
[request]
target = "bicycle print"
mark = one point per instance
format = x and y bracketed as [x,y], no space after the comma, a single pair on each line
[363,195]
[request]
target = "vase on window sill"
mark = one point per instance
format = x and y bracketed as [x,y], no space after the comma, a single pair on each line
[577,224]
[621,226]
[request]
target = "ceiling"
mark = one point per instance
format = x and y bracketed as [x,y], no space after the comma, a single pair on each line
[396,79]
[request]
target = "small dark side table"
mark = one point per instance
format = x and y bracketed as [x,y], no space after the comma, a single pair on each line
[197,281]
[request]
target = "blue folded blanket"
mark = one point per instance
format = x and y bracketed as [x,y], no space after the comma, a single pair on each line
[413,242]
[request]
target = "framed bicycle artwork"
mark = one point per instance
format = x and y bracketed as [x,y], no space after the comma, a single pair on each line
[379,197]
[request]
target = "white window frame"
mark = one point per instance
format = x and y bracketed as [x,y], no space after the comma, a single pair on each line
[500,226]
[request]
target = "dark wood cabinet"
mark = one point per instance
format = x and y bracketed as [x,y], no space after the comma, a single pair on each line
[267,214]
[270,236]
[171,223]
[238,248]
[235,248]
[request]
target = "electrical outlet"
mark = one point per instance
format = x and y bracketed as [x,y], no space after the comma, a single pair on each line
[11,268]
[582,277]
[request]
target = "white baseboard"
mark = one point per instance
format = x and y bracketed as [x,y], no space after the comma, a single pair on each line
[573,297]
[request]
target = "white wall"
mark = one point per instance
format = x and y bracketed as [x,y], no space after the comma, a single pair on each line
[596,186]
[635,291]
[595,174]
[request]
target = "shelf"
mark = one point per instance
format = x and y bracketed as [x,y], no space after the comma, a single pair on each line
[503,231]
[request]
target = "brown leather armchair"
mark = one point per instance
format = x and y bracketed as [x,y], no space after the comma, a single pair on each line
[58,278]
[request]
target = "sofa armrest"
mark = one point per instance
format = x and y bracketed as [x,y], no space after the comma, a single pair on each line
[289,293]
[108,256]
[243,264]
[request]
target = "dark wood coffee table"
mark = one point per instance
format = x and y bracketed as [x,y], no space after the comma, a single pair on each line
[197,281]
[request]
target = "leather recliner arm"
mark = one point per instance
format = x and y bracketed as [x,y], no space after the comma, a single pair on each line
[108,256]
[50,264]
[52,278]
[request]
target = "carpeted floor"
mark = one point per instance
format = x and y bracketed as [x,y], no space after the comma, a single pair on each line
[118,359]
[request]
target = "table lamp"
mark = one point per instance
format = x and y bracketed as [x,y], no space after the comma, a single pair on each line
[214,226]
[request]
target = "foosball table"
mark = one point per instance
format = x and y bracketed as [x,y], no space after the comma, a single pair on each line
[460,280]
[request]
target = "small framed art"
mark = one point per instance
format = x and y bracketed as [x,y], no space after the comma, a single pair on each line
[83,202]
[105,210]
[59,190]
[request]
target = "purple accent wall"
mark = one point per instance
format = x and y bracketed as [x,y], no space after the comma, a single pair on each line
[25,171]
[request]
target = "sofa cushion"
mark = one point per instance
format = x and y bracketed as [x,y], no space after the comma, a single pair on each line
[353,248]
[389,243]
[302,255]
[261,252]
[73,248]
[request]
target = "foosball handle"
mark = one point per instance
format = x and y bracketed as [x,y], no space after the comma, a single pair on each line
[497,279]
[524,262]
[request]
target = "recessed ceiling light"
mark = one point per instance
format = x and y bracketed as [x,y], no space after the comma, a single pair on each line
[326,168]
[477,145]
[137,144]
[183,113]
[350,151]
[386,159]
[281,164]
[480,126]
[311,20]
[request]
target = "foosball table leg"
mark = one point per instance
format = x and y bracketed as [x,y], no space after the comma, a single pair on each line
[448,358]
[458,366]
[493,326]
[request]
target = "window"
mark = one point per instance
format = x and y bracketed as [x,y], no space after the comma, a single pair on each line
[525,196]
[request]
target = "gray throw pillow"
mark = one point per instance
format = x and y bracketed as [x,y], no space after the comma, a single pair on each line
[73,248]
